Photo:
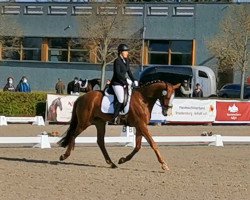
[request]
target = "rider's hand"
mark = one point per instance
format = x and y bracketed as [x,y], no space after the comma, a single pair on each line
[136,84]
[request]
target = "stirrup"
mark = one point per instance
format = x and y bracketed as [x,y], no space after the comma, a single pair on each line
[116,120]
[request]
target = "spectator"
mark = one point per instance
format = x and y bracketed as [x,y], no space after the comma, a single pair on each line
[73,86]
[185,89]
[9,87]
[23,85]
[197,91]
[60,87]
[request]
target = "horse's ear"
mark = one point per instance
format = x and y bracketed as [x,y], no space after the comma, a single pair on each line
[177,86]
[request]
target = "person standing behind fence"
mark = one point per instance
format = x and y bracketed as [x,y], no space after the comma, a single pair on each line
[60,87]
[9,87]
[74,87]
[185,89]
[197,91]
[23,85]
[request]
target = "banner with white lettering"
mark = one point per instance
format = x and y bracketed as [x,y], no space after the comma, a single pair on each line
[187,110]
[59,107]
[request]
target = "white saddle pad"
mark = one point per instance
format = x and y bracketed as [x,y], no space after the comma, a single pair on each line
[108,106]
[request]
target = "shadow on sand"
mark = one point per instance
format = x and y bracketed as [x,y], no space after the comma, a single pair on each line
[25,160]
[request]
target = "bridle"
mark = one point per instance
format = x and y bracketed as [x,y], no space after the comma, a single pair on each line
[164,93]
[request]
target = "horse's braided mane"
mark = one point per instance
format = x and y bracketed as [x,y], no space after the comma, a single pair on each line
[150,82]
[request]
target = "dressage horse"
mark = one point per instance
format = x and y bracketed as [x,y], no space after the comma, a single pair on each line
[90,84]
[87,111]
[52,111]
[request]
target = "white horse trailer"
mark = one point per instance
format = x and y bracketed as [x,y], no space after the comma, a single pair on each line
[177,73]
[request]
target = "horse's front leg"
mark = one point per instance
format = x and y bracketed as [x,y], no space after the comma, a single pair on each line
[154,146]
[135,150]
[100,126]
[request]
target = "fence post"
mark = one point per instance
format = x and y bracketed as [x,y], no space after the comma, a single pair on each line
[44,142]
[39,121]
[218,141]
[128,131]
[3,121]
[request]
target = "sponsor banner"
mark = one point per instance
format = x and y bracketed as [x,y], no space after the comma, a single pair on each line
[187,110]
[59,107]
[232,111]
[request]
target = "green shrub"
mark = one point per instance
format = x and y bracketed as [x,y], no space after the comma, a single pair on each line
[19,104]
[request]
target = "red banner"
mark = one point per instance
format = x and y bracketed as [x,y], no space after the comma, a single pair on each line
[232,111]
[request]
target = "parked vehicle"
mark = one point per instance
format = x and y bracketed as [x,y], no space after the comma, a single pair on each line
[232,90]
[178,73]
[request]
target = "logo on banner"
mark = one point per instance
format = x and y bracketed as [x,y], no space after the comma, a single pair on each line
[233,109]
[233,112]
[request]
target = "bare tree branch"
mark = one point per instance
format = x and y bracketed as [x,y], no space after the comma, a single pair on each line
[105,29]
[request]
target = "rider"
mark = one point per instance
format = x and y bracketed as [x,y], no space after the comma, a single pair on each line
[119,80]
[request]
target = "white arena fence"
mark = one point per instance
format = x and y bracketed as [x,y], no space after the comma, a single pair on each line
[37,120]
[127,138]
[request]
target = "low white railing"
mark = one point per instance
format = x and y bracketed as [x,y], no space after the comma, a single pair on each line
[37,120]
[128,138]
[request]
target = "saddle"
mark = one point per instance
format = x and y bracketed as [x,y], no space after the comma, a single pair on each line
[109,100]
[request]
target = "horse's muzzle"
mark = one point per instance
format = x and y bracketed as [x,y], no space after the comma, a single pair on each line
[165,111]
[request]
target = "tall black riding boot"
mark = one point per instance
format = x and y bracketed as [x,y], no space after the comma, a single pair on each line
[117,109]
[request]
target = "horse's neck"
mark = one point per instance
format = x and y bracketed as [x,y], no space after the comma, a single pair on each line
[94,82]
[151,93]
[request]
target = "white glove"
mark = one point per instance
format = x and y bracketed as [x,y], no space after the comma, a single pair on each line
[129,81]
[136,83]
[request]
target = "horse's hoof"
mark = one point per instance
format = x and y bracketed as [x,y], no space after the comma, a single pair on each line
[113,166]
[61,158]
[122,160]
[165,167]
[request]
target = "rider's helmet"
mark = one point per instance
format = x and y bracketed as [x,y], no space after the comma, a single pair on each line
[122,47]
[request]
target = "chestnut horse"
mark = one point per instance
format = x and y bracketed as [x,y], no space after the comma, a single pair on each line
[90,85]
[87,111]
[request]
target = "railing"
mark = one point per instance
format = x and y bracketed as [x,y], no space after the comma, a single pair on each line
[128,139]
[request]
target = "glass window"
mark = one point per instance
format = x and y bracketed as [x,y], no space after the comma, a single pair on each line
[11,48]
[202,74]
[31,48]
[10,54]
[59,43]
[158,59]
[79,56]
[181,46]
[158,52]
[181,52]
[181,59]
[159,45]
[58,49]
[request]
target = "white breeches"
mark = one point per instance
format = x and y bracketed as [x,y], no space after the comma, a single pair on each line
[119,92]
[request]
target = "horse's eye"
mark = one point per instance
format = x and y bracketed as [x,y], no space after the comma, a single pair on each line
[164,92]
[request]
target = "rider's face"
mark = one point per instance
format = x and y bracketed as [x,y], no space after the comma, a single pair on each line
[124,54]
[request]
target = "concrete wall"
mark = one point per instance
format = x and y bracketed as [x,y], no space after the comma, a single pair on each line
[43,76]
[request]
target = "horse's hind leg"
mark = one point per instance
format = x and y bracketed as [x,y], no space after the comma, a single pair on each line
[100,126]
[71,144]
[135,150]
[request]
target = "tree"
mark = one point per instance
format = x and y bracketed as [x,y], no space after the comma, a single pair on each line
[10,36]
[105,29]
[230,46]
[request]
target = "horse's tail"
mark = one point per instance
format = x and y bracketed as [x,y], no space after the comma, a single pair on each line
[66,137]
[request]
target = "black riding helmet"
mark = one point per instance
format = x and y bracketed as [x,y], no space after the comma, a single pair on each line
[122,47]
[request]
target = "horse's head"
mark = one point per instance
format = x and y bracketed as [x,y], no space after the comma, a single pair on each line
[166,98]
[59,103]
